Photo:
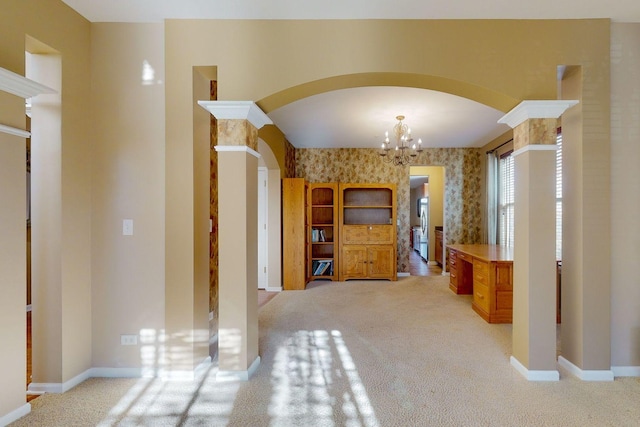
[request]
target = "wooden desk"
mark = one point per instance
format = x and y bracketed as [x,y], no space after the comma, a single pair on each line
[486,272]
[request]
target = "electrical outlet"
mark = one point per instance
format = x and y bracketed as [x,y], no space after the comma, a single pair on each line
[128,340]
[127,227]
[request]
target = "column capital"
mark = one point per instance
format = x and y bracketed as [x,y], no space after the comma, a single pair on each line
[237,110]
[539,109]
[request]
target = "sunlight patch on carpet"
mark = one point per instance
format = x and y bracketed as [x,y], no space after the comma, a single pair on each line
[315,376]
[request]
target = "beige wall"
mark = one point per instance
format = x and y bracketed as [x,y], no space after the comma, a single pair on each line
[625,185]
[12,271]
[69,334]
[128,182]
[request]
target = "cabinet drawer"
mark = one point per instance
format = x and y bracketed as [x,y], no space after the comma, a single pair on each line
[481,296]
[465,257]
[367,234]
[480,272]
[453,276]
[453,258]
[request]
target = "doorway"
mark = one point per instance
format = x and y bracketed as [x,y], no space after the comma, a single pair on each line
[426,218]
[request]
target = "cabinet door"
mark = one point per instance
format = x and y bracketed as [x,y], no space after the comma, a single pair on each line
[381,234]
[354,261]
[294,233]
[381,262]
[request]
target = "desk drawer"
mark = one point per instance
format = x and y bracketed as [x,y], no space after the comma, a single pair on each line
[453,258]
[480,272]
[465,257]
[453,276]
[481,296]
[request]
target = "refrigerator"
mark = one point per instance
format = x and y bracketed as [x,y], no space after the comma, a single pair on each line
[423,208]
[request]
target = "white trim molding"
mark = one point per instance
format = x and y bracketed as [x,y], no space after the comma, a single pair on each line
[535,147]
[15,415]
[238,148]
[626,371]
[585,375]
[15,131]
[21,86]
[60,387]
[226,376]
[551,109]
[273,289]
[535,375]
[231,110]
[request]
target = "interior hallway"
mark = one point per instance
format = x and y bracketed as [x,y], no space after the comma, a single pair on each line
[419,267]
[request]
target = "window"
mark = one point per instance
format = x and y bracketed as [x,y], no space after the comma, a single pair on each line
[505,200]
[559,195]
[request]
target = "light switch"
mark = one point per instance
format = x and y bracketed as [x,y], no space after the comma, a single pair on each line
[127,227]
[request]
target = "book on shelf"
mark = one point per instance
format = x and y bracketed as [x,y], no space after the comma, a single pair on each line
[322,267]
[317,235]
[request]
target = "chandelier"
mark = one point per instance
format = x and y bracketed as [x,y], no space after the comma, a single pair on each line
[403,154]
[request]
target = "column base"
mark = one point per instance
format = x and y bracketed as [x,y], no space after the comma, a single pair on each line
[534,375]
[590,375]
[225,376]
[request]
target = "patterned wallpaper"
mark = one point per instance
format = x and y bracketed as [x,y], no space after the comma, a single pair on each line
[289,160]
[213,214]
[363,165]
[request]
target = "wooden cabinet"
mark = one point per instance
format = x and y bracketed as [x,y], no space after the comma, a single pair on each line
[367,225]
[322,231]
[460,272]
[493,290]
[294,233]
[337,231]
[486,272]
[439,249]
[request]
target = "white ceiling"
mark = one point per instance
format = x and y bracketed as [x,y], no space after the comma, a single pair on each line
[359,117]
[158,10]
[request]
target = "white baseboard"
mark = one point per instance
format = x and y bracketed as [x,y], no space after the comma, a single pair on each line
[274,289]
[432,262]
[60,387]
[16,414]
[626,371]
[535,375]
[585,375]
[119,373]
[40,388]
[226,376]
[404,274]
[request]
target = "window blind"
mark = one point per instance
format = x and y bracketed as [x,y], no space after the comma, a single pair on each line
[559,195]
[506,200]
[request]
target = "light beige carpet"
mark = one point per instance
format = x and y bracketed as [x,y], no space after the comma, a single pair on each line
[359,353]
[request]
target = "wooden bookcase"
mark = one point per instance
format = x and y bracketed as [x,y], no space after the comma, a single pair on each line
[322,231]
[367,229]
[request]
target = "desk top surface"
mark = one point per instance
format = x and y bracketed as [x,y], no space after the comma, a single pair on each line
[486,252]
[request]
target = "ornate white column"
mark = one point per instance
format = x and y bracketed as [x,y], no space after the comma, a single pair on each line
[237,130]
[535,126]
